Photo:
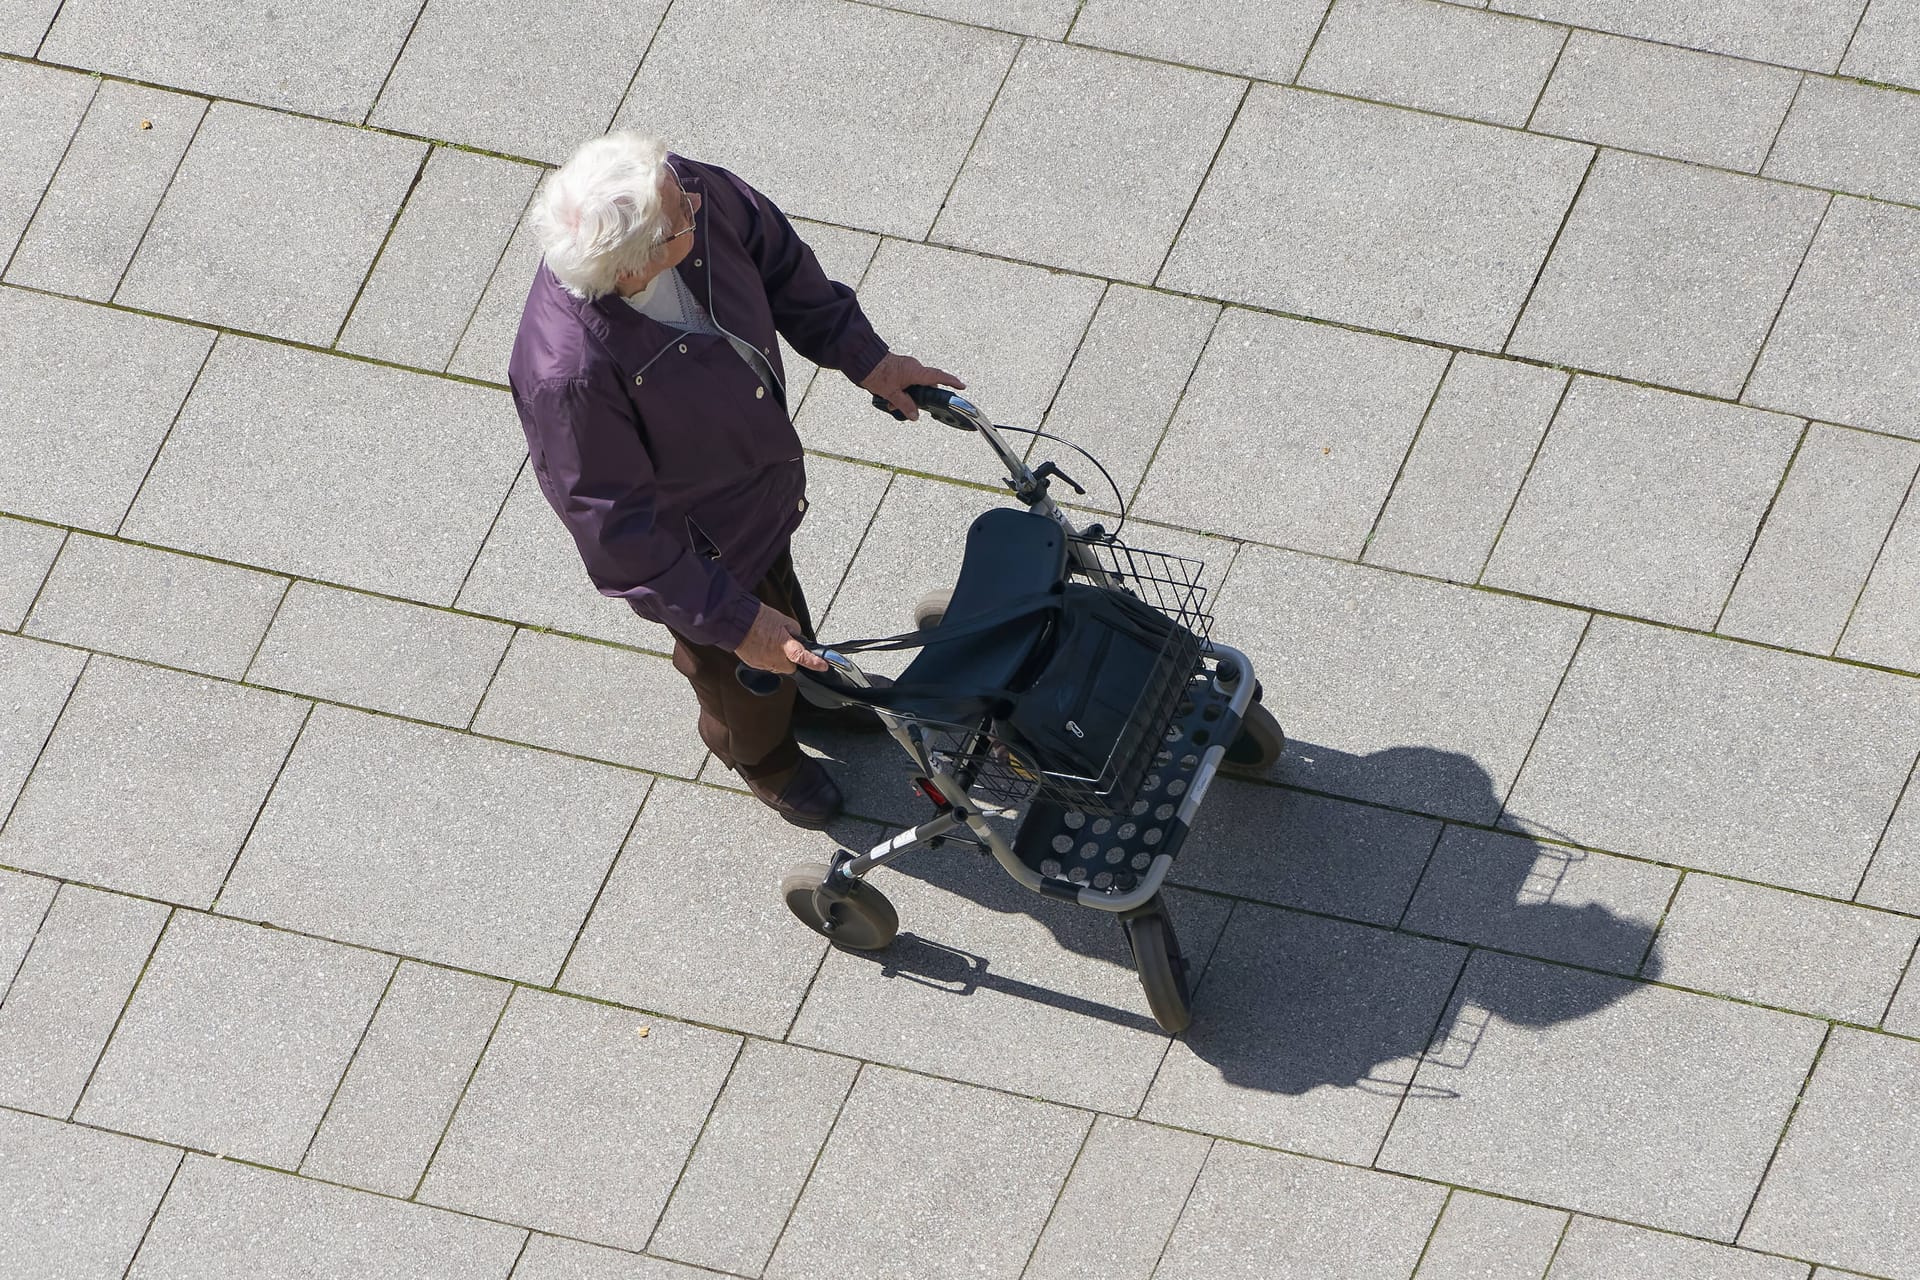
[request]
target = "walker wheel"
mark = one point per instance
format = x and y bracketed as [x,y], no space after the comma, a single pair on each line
[1162,969]
[1258,747]
[862,920]
[931,609]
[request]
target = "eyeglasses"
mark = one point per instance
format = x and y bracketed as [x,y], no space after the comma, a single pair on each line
[686,204]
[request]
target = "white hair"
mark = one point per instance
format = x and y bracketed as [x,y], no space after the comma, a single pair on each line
[599,214]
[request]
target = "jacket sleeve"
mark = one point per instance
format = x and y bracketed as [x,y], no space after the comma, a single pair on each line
[595,473]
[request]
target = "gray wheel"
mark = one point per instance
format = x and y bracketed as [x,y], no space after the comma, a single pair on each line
[863,920]
[1259,745]
[1162,969]
[932,608]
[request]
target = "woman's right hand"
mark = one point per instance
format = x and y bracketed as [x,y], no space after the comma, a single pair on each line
[776,643]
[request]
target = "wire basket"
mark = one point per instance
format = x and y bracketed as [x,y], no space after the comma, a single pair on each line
[994,767]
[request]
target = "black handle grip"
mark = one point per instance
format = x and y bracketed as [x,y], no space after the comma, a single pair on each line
[933,402]
[760,683]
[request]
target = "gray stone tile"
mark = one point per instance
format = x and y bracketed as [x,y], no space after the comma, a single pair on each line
[1483,1238]
[1458,217]
[438,845]
[1851,137]
[140,602]
[1843,1187]
[789,98]
[1438,57]
[1306,851]
[107,188]
[1785,949]
[1790,32]
[1668,273]
[230,247]
[151,781]
[225,1221]
[323,60]
[1903,1014]
[1265,39]
[1674,102]
[27,552]
[348,647]
[575,1123]
[998,1160]
[1305,1034]
[1843,347]
[370,478]
[1893,877]
[531,79]
[44,108]
[438,260]
[35,680]
[753,1157]
[931,303]
[406,1078]
[1048,19]
[1262,1215]
[1466,465]
[1313,476]
[24,24]
[735,957]
[91,392]
[1541,900]
[1069,130]
[1508,1099]
[1827,525]
[1720,756]
[1596,1250]
[1146,1169]
[235,1039]
[1886,48]
[844,255]
[1884,628]
[1411,693]
[487,342]
[842,500]
[24,901]
[77,1200]
[63,1003]
[1643,502]
[552,1258]
[553,692]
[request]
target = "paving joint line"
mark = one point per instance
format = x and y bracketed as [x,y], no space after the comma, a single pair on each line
[1193,994]
[1179,399]
[1559,1242]
[1426,865]
[1559,55]
[659,25]
[392,67]
[1780,129]
[33,602]
[1899,799]
[1442,1022]
[1905,973]
[1759,352]
[347,1068]
[1193,202]
[52,22]
[179,1163]
[1406,456]
[1906,500]
[1433,1232]
[173,421]
[1780,1143]
[26,228]
[146,966]
[265,800]
[480,299]
[859,543]
[1766,514]
[1573,655]
[1326,15]
[173,176]
[453,1112]
[813,1167]
[1659,926]
[379,254]
[686,1161]
[33,939]
[1199,1171]
[1053,397]
[526,1241]
[979,131]
[272,618]
[1513,503]
[26,779]
[486,691]
[1553,246]
[1060,1193]
[1853,36]
[619,850]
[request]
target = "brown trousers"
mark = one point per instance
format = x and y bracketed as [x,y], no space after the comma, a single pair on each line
[749,734]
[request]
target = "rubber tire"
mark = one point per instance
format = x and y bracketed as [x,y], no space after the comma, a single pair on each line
[931,610]
[863,921]
[1162,969]
[1259,744]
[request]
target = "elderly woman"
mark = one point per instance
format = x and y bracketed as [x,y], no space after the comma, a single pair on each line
[650,387]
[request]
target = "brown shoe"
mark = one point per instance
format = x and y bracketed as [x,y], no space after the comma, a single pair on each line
[804,795]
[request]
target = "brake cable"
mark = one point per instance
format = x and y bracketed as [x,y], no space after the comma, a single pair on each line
[1119,502]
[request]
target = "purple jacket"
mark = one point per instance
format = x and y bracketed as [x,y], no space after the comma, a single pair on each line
[677,472]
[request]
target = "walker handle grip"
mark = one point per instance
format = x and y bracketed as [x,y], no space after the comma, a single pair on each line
[933,401]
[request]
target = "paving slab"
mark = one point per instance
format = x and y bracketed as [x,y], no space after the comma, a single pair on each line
[844,255]
[788,98]
[554,692]
[1266,39]
[435,265]
[1793,34]
[406,1078]
[27,552]
[1485,1238]
[1883,628]
[1312,471]
[151,781]
[78,1200]
[225,1221]
[91,393]
[44,108]
[575,1122]
[139,602]
[25,25]
[1668,273]
[1119,1204]
[1393,689]
[24,902]
[324,60]
[1544,900]
[346,646]
[1459,479]
[1596,1250]
[369,477]
[1903,1014]
[1892,879]
[1048,19]
[1438,57]
[1720,756]
[553,1258]
[999,1161]
[1305,1034]
[486,344]
[231,246]
[1843,1188]
[1851,137]
[235,1039]
[1887,45]
[1377,217]
[68,994]
[443,847]
[37,680]
[1263,1215]
[1069,130]
[1844,348]
[108,186]
[753,1157]
[1827,526]
[1673,102]
[1643,502]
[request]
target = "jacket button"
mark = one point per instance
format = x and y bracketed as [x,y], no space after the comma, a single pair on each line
[683,347]
[696,262]
[637,379]
[759,393]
